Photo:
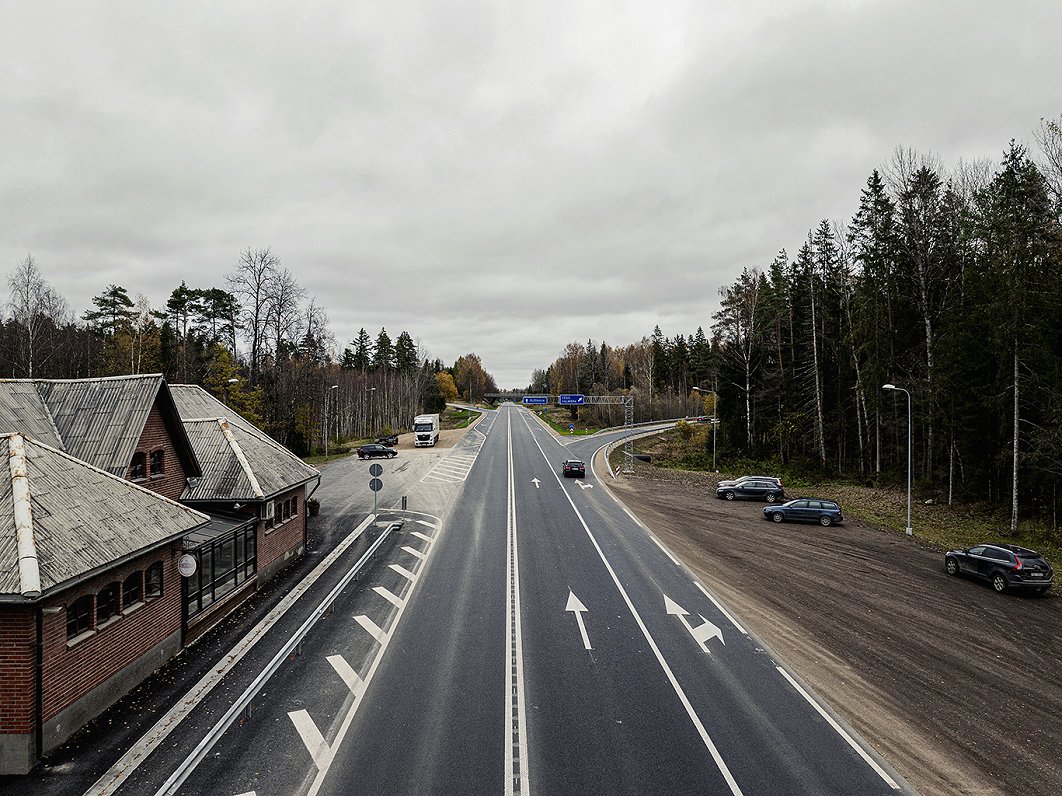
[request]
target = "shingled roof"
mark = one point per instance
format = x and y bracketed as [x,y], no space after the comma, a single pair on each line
[62,519]
[99,421]
[239,461]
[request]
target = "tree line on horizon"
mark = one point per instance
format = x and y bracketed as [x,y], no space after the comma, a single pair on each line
[260,344]
[946,284]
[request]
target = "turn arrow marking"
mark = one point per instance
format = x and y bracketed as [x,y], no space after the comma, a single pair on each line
[703,633]
[576,607]
[584,485]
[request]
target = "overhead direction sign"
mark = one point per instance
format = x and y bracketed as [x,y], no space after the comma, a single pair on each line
[571,400]
[536,399]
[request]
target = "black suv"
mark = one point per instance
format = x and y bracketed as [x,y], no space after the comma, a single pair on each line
[1005,566]
[753,489]
[390,440]
[373,451]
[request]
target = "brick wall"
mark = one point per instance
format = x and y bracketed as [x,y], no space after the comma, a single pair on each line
[281,543]
[70,672]
[172,482]
[17,639]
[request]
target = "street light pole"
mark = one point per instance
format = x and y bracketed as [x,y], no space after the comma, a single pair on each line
[901,389]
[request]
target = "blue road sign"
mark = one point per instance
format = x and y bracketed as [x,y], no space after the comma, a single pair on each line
[536,399]
[571,400]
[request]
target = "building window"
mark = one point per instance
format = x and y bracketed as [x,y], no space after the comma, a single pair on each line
[107,603]
[294,505]
[158,462]
[133,589]
[223,564]
[153,580]
[287,509]
[79,616]
[138,467]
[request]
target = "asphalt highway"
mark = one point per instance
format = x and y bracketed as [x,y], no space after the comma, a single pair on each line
[522,633]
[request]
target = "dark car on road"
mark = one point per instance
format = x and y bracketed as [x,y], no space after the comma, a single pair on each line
[374,451]
[1005,566]
[824,512]
[390,440]
[752,489]
[573,468]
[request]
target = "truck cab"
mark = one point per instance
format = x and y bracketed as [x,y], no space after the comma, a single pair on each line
[425,431]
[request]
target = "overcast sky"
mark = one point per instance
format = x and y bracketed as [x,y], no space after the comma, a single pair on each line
[497,177]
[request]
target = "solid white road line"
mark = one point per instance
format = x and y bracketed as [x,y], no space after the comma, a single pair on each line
[667,552]
[311,736]
[371,628]
[350,677]
[388,595]
[517,776]
[138,752]
[405,573]
[694,718]
[423,536]
[432,525]
[414,552]
[722,610]
[841,731]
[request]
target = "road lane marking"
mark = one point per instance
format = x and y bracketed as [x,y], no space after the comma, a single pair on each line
[517,776]
[667,552]
[405,573]
[414,552]
[371,628]
[311,736]
[423,536]
[722,610]
[431,525]
[703,633]
[668,673]
[138,752]
[349,676]
[841,731]
[388,595]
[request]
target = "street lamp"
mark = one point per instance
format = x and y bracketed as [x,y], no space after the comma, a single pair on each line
[901,389]
[225,391]
[715,417]
[328,404]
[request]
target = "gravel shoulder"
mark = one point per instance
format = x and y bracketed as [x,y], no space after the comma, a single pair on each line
[956,686]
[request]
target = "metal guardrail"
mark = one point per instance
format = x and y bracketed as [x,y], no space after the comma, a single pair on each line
[182,772]
[659,426]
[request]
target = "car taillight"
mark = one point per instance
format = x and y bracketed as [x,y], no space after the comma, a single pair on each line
[1017,566]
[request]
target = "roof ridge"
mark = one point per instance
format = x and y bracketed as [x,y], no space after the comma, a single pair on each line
[29,570]
[48,411]
[240,457]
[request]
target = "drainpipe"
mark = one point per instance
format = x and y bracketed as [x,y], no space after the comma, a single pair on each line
[38,684]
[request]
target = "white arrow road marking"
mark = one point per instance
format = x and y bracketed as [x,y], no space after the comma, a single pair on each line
[583,485]
[722,610]
[576,607]
[388,595]
[311,736]
[405,573]
[702,633]
[350,677]
[535,481]
[414,552]
[371,627]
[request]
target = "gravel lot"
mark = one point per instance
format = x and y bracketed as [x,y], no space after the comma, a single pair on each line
[958,687]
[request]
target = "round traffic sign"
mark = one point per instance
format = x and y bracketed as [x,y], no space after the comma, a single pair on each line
[375,470]
[186,565]
[376,485]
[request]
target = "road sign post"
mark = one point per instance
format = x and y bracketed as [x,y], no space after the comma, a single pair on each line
[375,484]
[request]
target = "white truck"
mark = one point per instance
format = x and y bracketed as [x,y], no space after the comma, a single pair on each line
[425,430]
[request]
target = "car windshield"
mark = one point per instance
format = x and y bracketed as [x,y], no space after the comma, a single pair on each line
[422,427]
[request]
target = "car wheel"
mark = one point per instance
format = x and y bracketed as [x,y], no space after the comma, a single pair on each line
[825,520]
[771,497]
[728,495]
[391,455]
[951,566]
[999,583]
[777,516]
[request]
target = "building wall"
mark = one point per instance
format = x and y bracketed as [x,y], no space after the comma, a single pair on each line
[83,678]
[17,691]
[286,540]
[172,482]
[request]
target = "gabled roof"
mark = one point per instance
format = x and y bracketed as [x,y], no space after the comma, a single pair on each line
[66,519]
[99,421]
[239,461]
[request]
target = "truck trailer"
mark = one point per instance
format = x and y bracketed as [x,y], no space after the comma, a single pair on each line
[425,430]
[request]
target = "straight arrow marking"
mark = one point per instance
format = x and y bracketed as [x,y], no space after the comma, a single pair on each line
[576,607]
[535,482]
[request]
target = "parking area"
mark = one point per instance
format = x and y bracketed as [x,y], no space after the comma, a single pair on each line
[958,687]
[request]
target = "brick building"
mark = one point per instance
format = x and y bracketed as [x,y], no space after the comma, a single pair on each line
[106,462]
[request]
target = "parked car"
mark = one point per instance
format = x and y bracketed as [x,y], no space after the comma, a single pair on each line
[390,440]
[745,478]
[824,512]
[1005,566]
[753,489]
[374,451]
[573,468]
